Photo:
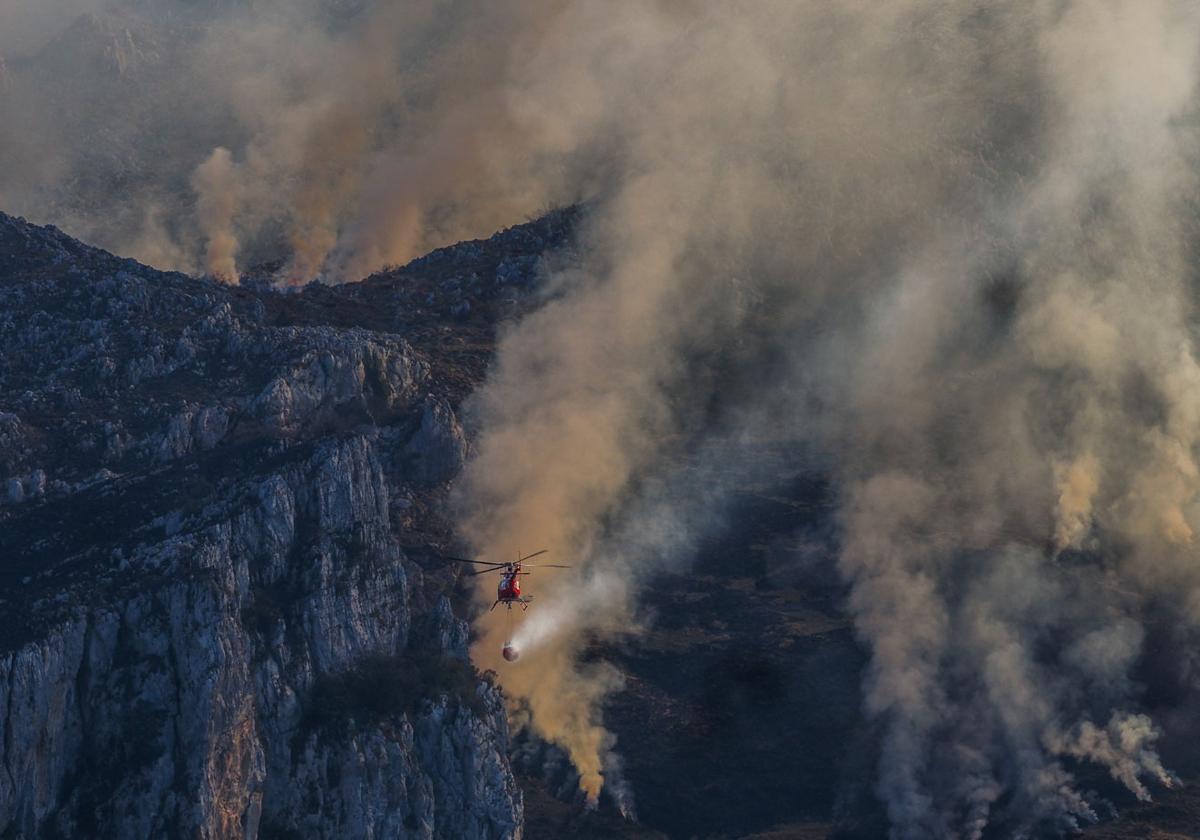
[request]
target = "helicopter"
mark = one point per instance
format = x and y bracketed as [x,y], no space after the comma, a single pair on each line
[508,591]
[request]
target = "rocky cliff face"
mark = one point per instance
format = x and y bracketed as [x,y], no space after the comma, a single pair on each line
[222,608]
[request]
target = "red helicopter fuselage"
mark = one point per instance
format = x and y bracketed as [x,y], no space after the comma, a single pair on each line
[509,588]
[508,591]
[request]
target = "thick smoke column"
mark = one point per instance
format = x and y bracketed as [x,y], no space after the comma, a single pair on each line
[945,245]
[215,182]
[1077,424]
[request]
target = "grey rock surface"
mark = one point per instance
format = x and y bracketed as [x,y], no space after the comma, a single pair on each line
[219,510]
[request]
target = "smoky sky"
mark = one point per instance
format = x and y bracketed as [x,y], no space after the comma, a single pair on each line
[944,248]
[28,26]
[347,136]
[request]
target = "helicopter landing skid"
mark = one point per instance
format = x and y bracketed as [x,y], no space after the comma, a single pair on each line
[524,602]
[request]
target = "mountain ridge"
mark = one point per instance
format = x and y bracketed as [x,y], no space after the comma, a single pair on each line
[214,499]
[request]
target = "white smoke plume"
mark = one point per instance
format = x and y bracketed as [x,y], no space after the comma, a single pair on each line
[216,186]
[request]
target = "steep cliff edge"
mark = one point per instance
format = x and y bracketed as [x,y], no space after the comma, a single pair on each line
[222,609]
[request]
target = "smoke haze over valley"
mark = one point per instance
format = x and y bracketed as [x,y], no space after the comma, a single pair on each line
[941,255]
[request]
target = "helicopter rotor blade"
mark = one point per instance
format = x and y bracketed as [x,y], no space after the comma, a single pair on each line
[535,554]
[476,562]
[547,566]
[483,571]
